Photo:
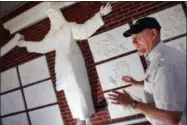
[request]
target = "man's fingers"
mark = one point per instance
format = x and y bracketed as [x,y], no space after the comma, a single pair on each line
[112,98]
[124,91]
[113,95]
[117,103]
[126,78]
[116,92]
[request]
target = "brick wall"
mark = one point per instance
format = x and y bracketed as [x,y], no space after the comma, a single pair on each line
[123,12]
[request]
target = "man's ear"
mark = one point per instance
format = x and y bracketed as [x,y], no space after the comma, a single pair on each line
[155,33]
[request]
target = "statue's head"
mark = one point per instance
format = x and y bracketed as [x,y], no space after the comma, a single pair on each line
[56,18]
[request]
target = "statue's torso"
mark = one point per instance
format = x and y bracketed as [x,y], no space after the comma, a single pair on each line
[69,61]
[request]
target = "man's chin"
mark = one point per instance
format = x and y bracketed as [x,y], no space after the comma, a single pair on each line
[140,53]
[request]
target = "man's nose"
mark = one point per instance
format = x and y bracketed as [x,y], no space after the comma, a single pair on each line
[135,43]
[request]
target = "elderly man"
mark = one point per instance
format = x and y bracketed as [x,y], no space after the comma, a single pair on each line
[165,78]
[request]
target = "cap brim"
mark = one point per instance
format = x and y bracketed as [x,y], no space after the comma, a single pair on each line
[133,30]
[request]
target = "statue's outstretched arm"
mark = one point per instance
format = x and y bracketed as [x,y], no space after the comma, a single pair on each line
[84,31]
[48,43]
[11,44]
[42,47]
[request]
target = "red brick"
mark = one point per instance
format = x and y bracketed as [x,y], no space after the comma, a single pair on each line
[122,12]
[151,10]
[124,20]
[138,15]
[134,6]
[127,6]
[143,8]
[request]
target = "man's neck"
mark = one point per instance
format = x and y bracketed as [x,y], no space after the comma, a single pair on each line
[154,45]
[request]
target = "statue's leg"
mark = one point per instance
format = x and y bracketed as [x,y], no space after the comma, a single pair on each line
[88,122]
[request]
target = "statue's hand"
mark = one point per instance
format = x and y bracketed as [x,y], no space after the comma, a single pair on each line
[21,37]
[104,10]
[21,43]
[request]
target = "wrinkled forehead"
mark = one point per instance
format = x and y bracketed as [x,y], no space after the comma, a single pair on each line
[142,33]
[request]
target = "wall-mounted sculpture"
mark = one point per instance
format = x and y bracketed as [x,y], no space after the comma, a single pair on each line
[70,69]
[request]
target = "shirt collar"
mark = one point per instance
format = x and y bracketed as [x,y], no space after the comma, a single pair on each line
[153,52]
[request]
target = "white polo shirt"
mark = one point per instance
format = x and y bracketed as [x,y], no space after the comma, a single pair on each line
[165,81]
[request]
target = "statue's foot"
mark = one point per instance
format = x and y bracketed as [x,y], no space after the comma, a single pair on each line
[79,122]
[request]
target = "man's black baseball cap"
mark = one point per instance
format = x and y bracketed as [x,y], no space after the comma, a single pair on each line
[141,24]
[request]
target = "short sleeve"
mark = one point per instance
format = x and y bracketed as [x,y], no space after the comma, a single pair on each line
[169,88]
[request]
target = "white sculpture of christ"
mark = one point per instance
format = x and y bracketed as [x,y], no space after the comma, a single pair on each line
[70,69]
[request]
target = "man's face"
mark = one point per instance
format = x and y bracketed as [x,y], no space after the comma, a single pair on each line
[144,41]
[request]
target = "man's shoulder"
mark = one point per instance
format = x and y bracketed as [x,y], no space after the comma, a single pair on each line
[168,57]
[171,55]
